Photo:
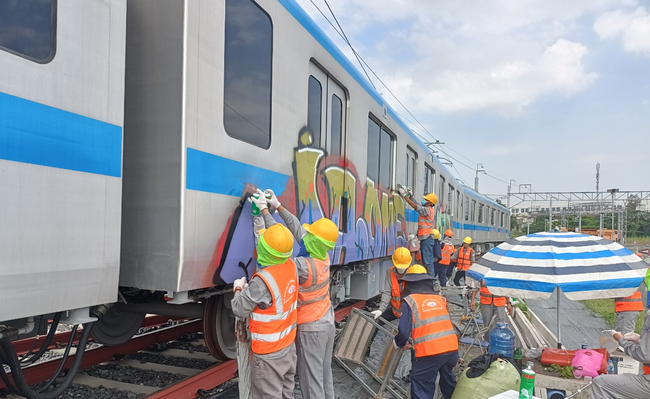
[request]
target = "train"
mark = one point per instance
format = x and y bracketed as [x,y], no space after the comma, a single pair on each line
[132,134]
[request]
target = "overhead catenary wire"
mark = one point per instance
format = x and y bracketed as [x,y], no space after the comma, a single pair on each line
[417,123]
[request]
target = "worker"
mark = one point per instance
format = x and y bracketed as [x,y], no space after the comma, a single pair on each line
[464,258]
[627,386]
[446,251]
[316,330]
[270,300]
[437,256]
[627,312]
[425,325]
[393,286]
[491,305]
[426,221]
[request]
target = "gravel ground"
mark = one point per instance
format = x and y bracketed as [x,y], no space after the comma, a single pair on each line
[188,346]
[176,361]
[132,375]
[85,392]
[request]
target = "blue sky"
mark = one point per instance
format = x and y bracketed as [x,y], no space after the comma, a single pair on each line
[536,90]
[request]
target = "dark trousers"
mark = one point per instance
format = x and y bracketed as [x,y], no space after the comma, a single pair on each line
[425,370]
[441,273]
[426,250]
[459,274]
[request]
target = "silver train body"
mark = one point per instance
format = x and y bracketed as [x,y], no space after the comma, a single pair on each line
[215,98]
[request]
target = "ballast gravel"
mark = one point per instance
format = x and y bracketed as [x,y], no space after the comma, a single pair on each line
[133,375]
[175,361]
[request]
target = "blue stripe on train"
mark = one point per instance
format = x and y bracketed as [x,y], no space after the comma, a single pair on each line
[42,135]
[218,175]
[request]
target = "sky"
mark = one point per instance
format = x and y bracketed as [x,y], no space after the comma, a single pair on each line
[538,91]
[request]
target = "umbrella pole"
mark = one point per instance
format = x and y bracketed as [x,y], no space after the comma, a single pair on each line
[559,332]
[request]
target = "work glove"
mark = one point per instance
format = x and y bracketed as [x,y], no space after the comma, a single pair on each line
[240,282]
[260,202]
[609,333]
[632,337]
[401,191]
[271,198]
[395,345]
[375,314]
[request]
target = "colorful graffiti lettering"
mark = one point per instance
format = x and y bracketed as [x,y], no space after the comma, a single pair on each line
[372,220]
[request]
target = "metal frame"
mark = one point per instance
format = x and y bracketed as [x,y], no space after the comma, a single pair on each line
[388,363]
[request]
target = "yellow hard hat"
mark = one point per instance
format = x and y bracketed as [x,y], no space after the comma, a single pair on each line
[449,233]
[431,198]
[436,234]
[467,240]
[416,269]
[323,228]
[278,237]
[402,259]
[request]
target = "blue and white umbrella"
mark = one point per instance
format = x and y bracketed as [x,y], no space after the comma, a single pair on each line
[583,266]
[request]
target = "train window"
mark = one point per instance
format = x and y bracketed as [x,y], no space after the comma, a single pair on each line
[380,154]
[314,107]
[480,212]
[466,208]
[450,205]
[441,193]
[336,127]
[248,70]
[459,200]
[429,179]
[473,210]
[492,217]
[28,29]
[411,161]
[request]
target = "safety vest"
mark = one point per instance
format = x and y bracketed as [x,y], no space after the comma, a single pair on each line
[646,370]
[633,303]
[396,289]
[488,299]
[464,258]
[314,294]
[432,332]
[274,328]
[425,224]
[447,251]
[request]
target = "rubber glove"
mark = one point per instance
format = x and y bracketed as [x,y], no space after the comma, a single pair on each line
[260,202]
[401,191]
[375,314]
[395,345]
[609,333]
[273,200]
[632,337]
[240,282]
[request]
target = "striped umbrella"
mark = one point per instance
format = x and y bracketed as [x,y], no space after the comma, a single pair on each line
[582,266]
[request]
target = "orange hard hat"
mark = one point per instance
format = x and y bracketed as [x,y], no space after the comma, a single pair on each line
[449,233]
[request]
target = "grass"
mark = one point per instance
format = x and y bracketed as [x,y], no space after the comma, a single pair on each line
[524,308]
[605,308]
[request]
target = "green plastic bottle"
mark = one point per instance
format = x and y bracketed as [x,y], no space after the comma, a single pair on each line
[527,386]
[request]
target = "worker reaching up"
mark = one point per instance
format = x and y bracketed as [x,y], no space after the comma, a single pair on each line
[315,331]
[426,223]
[270,300]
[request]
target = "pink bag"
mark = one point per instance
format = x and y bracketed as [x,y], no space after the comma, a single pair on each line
[586,363]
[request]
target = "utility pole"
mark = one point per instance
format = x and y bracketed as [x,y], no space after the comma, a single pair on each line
[550,215]
[479,168]
[509,187]
[612,191]
[600,213]
[580,218]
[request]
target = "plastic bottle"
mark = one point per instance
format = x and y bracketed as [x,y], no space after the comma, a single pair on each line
[502,340]
[517,357]
[584,343]
[610,367]
[527,386]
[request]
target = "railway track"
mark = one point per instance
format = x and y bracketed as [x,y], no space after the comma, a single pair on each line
[168,360]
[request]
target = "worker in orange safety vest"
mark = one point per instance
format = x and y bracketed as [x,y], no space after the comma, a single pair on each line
[391,295]
[426,225]
[316,330]
[627,311]
[464,258]
[491,305]
[425,326]
[447,250]
[270,301]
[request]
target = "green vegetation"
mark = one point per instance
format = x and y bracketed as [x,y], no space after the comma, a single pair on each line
[524,308]
[605,308]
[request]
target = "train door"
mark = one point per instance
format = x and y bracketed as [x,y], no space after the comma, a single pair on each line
[327,117]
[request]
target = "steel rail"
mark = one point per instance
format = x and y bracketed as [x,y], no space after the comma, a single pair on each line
[339,314]
[205,380]
[41,371]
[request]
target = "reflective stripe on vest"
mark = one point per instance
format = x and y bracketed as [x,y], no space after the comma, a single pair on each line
[632,303]
[432,332]
[314,294]
[487,298]
[274,328]
[464,258]
[447,251]
[425,224]
[396,289]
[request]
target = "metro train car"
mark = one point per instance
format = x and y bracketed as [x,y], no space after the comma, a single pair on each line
[132,134]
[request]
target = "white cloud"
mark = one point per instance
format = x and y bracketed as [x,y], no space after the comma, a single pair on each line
[633,28]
